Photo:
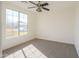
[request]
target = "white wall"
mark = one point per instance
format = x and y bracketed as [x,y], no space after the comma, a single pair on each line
[0,31]
[56,25]
[7,43]
[76,27]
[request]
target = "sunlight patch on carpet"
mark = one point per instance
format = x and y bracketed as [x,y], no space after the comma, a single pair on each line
[29,51]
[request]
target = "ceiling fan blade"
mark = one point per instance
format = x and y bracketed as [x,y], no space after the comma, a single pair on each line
[44,4]
[24,1]
[33,3]
[45,8]
[31,7]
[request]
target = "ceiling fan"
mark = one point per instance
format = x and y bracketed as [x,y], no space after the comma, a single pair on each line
[39,6]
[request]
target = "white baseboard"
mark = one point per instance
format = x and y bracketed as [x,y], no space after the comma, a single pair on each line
[55,40]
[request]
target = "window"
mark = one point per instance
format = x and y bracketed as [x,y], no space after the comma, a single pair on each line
[16,23]
[22,24]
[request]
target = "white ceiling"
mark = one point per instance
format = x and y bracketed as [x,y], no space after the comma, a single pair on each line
[52,4]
